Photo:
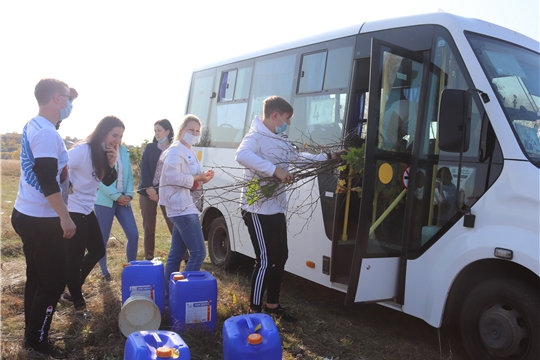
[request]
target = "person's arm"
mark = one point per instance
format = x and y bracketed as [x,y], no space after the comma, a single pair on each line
[146,177]
[176,171]
[246,155]
[46,170]
[110,190]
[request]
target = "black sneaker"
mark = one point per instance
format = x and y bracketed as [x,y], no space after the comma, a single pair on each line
[46,348]
[279,313]
[107,278]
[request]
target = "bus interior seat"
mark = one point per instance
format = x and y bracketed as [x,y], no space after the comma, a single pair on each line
[227,133]
[322,134]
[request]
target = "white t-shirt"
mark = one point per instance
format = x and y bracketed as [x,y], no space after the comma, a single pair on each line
[39,140]
[84,180]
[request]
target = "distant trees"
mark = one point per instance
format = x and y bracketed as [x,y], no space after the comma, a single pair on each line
[11,144]
[11,147]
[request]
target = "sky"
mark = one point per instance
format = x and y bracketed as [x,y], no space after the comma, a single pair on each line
[134,59]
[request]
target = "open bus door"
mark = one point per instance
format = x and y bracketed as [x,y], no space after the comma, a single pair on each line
[395,91]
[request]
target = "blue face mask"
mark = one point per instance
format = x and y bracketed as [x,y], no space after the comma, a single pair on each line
[64,113]
[281,129]
[162,140]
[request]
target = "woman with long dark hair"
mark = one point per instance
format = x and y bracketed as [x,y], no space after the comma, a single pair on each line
[151,167]
[90,163]
[114,200]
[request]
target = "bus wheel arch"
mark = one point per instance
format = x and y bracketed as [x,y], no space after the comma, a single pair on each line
[219,245]
[476,273]
[500,318]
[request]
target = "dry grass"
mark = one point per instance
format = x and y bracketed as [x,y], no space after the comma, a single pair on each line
[326,329]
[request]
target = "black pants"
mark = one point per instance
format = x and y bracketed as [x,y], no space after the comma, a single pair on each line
[88,236]
[45,252]
[269,238]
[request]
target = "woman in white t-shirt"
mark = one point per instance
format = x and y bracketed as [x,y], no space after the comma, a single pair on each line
[90,162]
[180,192]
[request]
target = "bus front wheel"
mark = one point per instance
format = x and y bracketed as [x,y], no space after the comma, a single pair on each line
[500,319]
[219,245]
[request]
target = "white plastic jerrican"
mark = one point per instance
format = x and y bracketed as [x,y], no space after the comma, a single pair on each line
[139,313]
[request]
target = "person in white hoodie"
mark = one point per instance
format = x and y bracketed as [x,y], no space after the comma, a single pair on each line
[266,151]
[180,193]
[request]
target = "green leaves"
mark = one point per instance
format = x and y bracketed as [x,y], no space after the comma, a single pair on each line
[268,190]
[355,158]
[252,191]
[254,188]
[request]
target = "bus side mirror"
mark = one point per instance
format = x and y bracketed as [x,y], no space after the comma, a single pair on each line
[454,120]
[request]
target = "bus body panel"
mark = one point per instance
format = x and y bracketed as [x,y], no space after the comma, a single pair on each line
[506,217]
[370,285]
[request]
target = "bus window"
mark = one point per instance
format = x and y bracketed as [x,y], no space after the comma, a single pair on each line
[271,77]
[332,67]
[243,82]
[312,72]
[338,69]
[228,83]
[399,103]
[235,84]
[318,119]
[226,123]
[201,95]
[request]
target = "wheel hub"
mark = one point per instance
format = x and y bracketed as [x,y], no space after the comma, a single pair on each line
[502,332]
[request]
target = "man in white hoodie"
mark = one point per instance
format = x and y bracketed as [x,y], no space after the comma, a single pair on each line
[264,152]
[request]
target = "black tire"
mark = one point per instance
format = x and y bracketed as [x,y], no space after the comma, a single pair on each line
[219,246]
[500,319]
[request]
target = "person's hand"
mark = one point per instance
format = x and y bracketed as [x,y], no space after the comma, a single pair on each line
[151,191]
[283,175]
[154,197]
[208,175]
[123,200]
[204,177]
[112,155]
[68,226]
[73,93]
[336,155]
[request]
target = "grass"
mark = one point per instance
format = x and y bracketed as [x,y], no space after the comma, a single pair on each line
[325,330]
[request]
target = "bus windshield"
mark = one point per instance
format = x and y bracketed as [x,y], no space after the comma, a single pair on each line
[513,72]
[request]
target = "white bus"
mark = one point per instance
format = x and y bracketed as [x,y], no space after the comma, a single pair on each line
[447,226]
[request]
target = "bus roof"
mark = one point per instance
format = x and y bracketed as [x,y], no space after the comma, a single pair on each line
[452,22]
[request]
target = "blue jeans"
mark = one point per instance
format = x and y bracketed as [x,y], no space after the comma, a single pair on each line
[187,235]
[124,215]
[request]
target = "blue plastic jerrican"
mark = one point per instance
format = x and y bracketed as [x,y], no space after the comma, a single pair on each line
[144,278]
[142,345]
[192,300]
[252,336]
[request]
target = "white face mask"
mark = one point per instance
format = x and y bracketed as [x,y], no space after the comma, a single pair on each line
[191,139]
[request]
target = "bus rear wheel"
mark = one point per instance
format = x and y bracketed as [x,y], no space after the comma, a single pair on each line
[500,319]
[219,245]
